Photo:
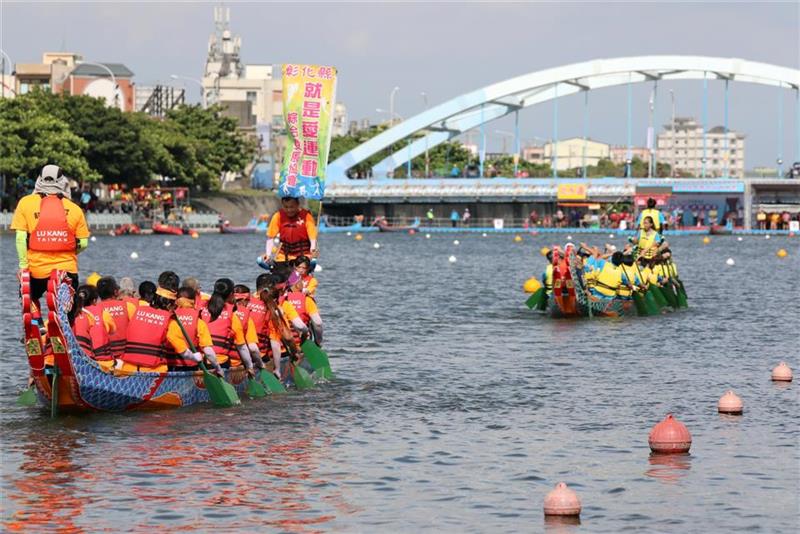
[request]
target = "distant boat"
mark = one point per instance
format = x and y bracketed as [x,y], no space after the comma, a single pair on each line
[355,227]
[384,226]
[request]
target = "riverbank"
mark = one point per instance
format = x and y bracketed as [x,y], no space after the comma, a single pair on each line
[238,206]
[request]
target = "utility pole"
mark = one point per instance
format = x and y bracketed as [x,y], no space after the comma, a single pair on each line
[672,170]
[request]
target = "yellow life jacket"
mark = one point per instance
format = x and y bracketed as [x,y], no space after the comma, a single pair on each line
[647,243]
[548,278]
[630,274]
[653,214]
[649,276]
[608,279]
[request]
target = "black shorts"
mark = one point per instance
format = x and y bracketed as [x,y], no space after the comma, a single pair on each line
[39,285]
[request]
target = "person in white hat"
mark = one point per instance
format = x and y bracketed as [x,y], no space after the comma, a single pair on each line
[50,231]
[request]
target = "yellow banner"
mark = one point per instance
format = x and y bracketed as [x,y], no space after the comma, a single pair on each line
[571,192]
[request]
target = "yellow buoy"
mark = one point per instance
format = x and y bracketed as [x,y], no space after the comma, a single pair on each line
[92,279]
[782,253]
[706,240]
[532,285]
[543,251]
[517,238]
[359,237]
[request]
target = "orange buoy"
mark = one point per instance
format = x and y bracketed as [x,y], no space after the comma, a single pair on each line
[730,403]
[562,501]
[782,373]
[670,436]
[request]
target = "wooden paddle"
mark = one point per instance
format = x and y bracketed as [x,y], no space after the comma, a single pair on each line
[222,394]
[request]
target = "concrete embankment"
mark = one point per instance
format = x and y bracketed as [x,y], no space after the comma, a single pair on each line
[238,207]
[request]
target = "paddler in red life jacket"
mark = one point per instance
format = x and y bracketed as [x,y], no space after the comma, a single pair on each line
[93,327]
[147,290]
[305,306]
[258,315]
[200,299]
[197,330]
[50,232]
[280,318]
[302,266]
[127,291]
[242,298]
[118,309]
[153,333]
[296,229]
[226,329]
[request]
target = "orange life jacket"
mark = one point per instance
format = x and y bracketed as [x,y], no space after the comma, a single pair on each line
[221,331]
[258,313]
[294,234]
[188,318]
[81,328]
[147,336]
[118,310]
[52,233]
[98,334]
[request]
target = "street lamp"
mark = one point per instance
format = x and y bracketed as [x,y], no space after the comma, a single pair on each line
[391,105]
[203,100]
[672,97]
[391,115]
[113,79]
[427,159]
[10,63]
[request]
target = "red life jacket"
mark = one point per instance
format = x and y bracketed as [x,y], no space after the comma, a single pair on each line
[258,314]
[200,302]
[298,300]
[243,312]
[52,233]
[98,334]
[132,300]
[188,318]
[118,310]
[221,331]
[294,234]
[147,335]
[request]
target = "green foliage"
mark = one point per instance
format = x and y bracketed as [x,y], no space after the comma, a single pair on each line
[90,141]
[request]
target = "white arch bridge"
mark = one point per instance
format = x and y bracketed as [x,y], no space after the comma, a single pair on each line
[468,111]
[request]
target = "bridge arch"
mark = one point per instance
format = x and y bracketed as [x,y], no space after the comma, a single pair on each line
[465,112]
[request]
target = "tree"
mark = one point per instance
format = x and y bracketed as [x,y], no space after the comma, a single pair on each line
[33,138]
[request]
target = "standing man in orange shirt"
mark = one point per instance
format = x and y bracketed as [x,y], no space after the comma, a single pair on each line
[297,231]
[50,231]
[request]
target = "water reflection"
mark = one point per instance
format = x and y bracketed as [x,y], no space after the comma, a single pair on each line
[554,524]
[43,495]
[669,468]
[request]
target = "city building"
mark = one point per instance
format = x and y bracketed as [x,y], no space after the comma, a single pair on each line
[570,153]
[250,93]
[66,72]
[96,81]
[619,154]
[683,149]
[340,124]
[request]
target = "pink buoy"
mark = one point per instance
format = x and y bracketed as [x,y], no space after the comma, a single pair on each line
[730,403]
[782,373]
[562,501]
[670,436]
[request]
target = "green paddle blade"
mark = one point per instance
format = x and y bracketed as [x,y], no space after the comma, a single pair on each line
[302,379]
[271,381]
[27,397]
[669,294]
[650,303]
[222,394]
[641,306]
[658,295]
[255,389]
[534,301]
[681,294]
[317,358]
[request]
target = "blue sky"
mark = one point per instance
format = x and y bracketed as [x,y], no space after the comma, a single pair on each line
[445,50]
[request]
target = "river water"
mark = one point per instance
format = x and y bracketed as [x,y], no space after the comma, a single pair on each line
[456,408]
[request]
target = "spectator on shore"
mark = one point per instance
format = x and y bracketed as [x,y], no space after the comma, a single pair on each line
[454,218]
[466,216]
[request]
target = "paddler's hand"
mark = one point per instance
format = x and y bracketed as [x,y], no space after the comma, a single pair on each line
[315,253]
[251,372]
[219,372]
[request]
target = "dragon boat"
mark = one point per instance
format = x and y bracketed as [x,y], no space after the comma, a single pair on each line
[76,383]
[571,297]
